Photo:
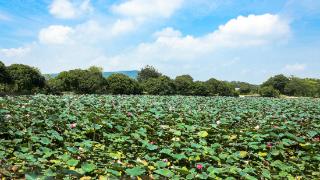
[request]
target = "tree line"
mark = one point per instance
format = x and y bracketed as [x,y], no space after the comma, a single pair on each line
[19,79]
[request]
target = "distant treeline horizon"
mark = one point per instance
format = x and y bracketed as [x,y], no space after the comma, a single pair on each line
[20,79]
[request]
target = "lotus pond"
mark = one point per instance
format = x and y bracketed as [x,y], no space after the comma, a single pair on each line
[152,137]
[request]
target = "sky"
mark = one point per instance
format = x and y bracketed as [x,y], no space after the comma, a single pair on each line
[242,40]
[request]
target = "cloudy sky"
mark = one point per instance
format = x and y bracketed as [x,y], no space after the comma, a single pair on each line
[247,40]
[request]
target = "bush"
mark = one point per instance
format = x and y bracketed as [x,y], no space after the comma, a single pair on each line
[159,86]
[269,91]
[122,84]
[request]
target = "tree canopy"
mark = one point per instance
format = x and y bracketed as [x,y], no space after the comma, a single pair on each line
[148,72]
[25,78]
[122,84]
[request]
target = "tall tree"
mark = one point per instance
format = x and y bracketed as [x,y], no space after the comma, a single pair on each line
[25,78]
[162,85]
[184,84]
[4,75]
[147,73]
[278,82]
[122,84]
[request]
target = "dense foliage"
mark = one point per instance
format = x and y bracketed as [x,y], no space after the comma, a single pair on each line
[184,84]
[25,79]
[122,84]
[293,86]
[4,75]
[162,85]
[80,81]
[278,82]
[148,72]
[269,91]
[159,136]
[22,79]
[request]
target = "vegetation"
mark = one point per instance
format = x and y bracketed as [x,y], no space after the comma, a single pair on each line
[113,137]
[147,73]
[122,84]
[278,82]
[184,85]
[269,91]
[22,79]
[162,85]
[26,79]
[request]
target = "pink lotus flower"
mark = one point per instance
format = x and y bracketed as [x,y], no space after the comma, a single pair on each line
[165,160]
[199,166]
[152,142]
[317,139]
[129,114]
[73,125]
[269,145]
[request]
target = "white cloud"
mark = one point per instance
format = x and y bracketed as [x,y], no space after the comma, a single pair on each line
[241,32]
[143,9]
[134,13]
[65,9]
[167,32]
[14,52]
[294,68]
[252,30]
[93,43]
[55,34]
[123,26]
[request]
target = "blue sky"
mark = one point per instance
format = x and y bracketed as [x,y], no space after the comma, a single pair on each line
[247,40]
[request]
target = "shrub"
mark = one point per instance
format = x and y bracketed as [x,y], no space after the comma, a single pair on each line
[269,91]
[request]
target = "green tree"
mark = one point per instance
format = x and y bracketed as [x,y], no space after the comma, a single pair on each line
[147,73]
[122,84]
[278,82]
[245,88]
[213,86]
[162,85]
[226,89]
[200,89]
[302,87]
[80,81]
[269,91]
[26,79]
[4,75]
[220,88]
[184,84]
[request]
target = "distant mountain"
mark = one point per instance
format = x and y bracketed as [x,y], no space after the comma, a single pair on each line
[133,74]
